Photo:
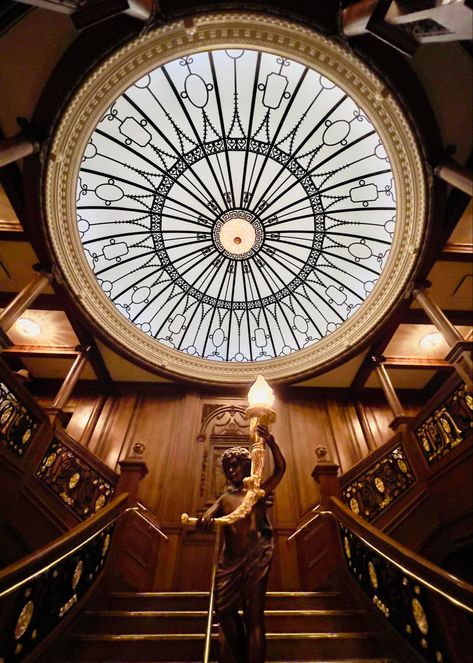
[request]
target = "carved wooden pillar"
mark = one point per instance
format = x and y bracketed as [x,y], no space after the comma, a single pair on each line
[460,350]
[16,147]
[70,380]
[458,176]
[23,299]
[400,418]
[325,476]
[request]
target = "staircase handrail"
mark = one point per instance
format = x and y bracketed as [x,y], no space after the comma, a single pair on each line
[455,590]
[21,572]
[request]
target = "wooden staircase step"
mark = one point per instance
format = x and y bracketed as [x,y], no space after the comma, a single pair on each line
[200,600]
[194,621]
[344,660]
[184,647]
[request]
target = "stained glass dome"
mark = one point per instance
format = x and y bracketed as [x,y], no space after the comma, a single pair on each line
[236,202]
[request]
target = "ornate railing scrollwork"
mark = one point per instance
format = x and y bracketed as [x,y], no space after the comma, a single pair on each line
[401,599]
[370,493]
[17,424]
[446,427]
[78,484]
[38,593]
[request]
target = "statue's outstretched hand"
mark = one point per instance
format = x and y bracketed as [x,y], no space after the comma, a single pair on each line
[205,522]
[265,434]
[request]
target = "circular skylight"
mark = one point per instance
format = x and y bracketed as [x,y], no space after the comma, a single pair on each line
[236,204]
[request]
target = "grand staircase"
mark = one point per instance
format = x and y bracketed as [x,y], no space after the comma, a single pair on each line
[301,626]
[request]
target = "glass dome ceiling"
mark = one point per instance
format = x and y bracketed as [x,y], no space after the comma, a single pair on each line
[233,204]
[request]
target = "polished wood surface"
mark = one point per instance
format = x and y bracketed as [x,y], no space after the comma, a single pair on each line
[185,431]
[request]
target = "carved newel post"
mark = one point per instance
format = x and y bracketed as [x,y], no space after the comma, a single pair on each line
[132,470]
[325,476]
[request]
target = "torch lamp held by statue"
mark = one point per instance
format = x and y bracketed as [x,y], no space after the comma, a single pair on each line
[260,413]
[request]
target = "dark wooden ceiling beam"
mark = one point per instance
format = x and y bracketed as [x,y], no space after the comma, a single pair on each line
[415,362]
[416,316]
[43,302]
[41,351]
[457,253]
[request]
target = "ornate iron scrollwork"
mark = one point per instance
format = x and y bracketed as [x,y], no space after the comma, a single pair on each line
[41,604]
[17,424]
[78,484]
[400,598]
[371,493]
[447,426]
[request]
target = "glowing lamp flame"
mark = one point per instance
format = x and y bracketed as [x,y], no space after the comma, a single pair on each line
[260,394]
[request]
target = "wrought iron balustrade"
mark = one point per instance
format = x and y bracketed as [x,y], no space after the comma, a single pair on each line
[38,593]
[375,489]
[17,423]
[447,426]
[405,588]
[83,483]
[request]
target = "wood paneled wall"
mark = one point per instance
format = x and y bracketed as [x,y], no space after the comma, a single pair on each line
[182,451]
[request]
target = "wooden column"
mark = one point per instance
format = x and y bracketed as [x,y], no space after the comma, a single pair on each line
[325,476]
[23,300]
[70,380]
[460,351]
[16,147]
[390,393]
[458,176]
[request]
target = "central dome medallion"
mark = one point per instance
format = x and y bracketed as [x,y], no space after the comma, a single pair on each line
[239,203]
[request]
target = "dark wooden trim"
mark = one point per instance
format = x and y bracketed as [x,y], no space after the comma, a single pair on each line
[43,302]
[11,12]
[417,316]
[457,253]
[12,235]
[415,362]
[41,351]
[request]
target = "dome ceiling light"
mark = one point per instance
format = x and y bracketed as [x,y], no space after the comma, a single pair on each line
[235,204]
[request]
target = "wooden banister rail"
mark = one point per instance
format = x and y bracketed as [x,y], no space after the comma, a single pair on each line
[40,559]
[450,587]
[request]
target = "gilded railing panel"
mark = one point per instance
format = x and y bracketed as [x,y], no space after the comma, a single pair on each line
[17,423]
[76,482]
[402,600]
[372,492]
[447,426]
[39,605]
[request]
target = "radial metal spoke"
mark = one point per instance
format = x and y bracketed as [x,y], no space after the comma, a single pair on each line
[275,136]
[196,134]
[264,144]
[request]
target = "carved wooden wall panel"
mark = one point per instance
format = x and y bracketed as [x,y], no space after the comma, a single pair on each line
[185,432]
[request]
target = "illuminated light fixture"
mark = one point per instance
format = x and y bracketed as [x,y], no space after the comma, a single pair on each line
[431,341]
[260,394]
[28,327]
